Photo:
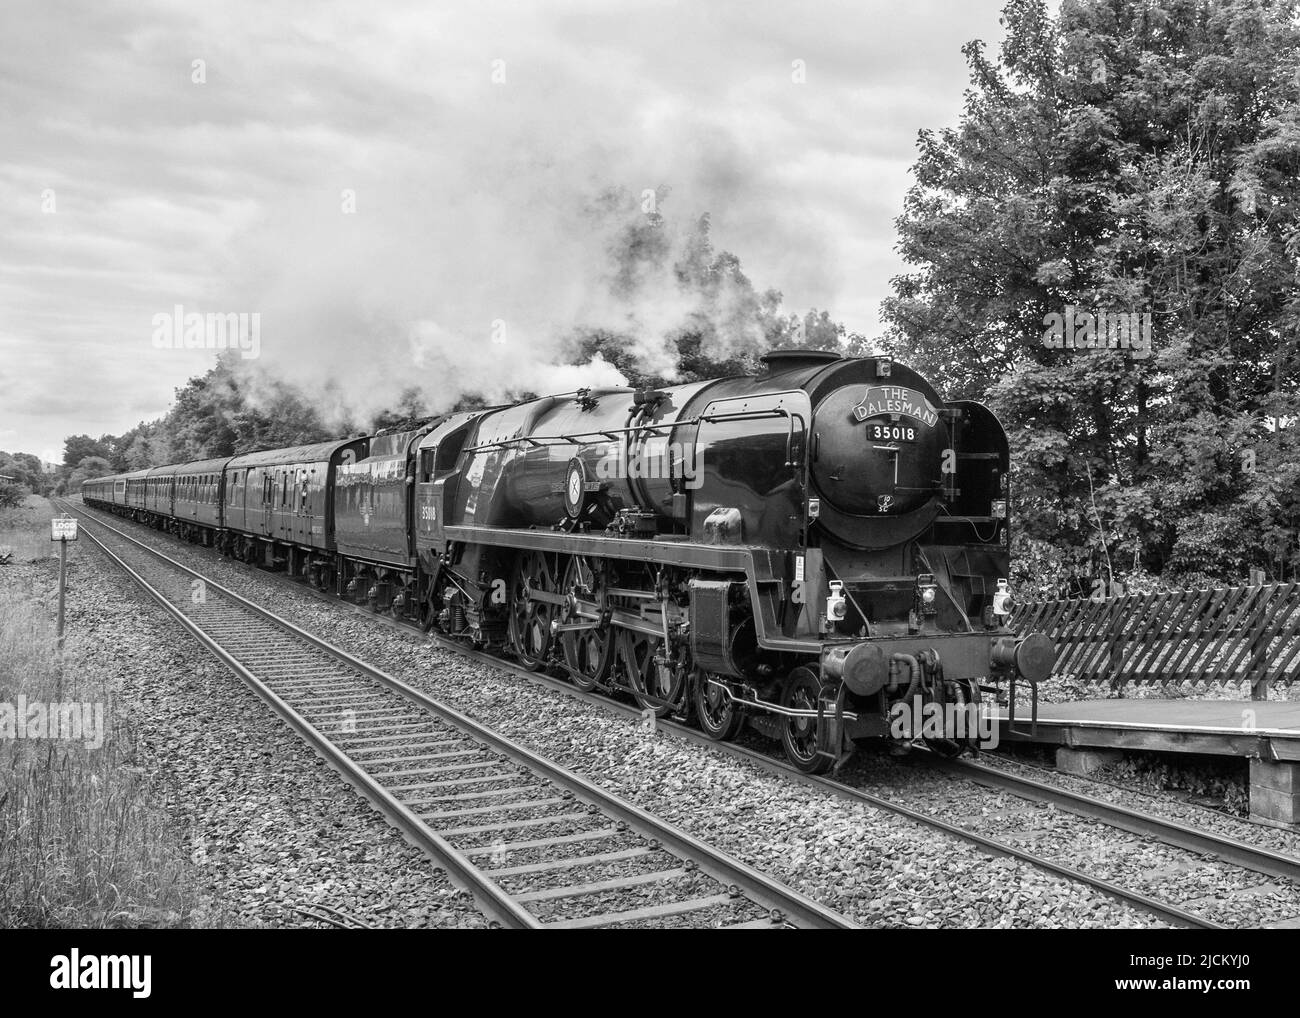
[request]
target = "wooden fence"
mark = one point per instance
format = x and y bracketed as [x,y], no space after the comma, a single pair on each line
[1226,635]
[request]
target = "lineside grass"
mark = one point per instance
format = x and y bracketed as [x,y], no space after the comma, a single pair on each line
[81,843]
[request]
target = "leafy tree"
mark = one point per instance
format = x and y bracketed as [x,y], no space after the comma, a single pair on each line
[409,411]
[1138,158]
[12,494]
[25,469]
[77,447]
[89,468]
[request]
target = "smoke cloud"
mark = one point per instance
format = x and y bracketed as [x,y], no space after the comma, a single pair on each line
[464,257]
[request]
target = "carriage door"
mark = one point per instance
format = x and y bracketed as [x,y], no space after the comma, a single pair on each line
[303,514]
[268,480]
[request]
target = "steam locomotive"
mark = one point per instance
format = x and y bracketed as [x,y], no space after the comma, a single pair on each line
[809,551]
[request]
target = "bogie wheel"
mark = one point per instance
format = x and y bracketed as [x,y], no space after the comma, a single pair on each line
[530,620]
[718,716]
[799,734]
[650,681]
[587,652]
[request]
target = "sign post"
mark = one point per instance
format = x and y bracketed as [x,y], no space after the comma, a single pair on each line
[62,529]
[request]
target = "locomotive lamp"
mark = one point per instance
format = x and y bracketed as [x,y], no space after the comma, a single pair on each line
[927,594]
[1002,599]
[836,608]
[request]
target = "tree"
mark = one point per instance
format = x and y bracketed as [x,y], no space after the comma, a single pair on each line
[77,447]
[408,413]
[25,469]
[87,469]
[1134,158]
[12,494]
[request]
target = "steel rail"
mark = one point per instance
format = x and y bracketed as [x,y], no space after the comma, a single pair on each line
[1178,835]
[492,899]
[781,901]
[1251,857]
[1164,910]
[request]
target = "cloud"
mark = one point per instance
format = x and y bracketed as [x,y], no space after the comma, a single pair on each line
[231,194]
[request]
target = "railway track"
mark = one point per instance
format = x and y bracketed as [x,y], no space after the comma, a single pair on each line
[536,844]
[1169,832]
[1163,910]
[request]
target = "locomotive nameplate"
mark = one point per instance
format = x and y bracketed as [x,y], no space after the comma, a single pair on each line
[895,401]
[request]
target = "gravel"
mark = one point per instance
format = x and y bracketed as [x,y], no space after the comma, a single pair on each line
[1220,891]
[267,826]
[877,868]
[1149,791]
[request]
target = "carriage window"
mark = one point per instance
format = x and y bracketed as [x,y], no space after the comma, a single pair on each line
[284,489]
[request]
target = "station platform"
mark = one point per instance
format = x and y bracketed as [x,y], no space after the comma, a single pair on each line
[1265,732]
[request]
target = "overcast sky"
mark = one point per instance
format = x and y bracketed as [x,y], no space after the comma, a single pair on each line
[355,174]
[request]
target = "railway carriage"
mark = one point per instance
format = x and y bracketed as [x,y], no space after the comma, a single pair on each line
[98,489]
[199,499]
[160,495]
[279,507]
[134,493]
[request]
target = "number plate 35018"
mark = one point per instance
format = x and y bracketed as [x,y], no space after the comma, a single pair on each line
[877,432]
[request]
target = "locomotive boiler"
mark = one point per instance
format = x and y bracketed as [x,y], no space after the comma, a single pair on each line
[814,551]
[803,550]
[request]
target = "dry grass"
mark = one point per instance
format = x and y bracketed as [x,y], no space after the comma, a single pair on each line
[81,844]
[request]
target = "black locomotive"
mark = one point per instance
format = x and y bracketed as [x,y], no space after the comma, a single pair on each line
[806,549]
